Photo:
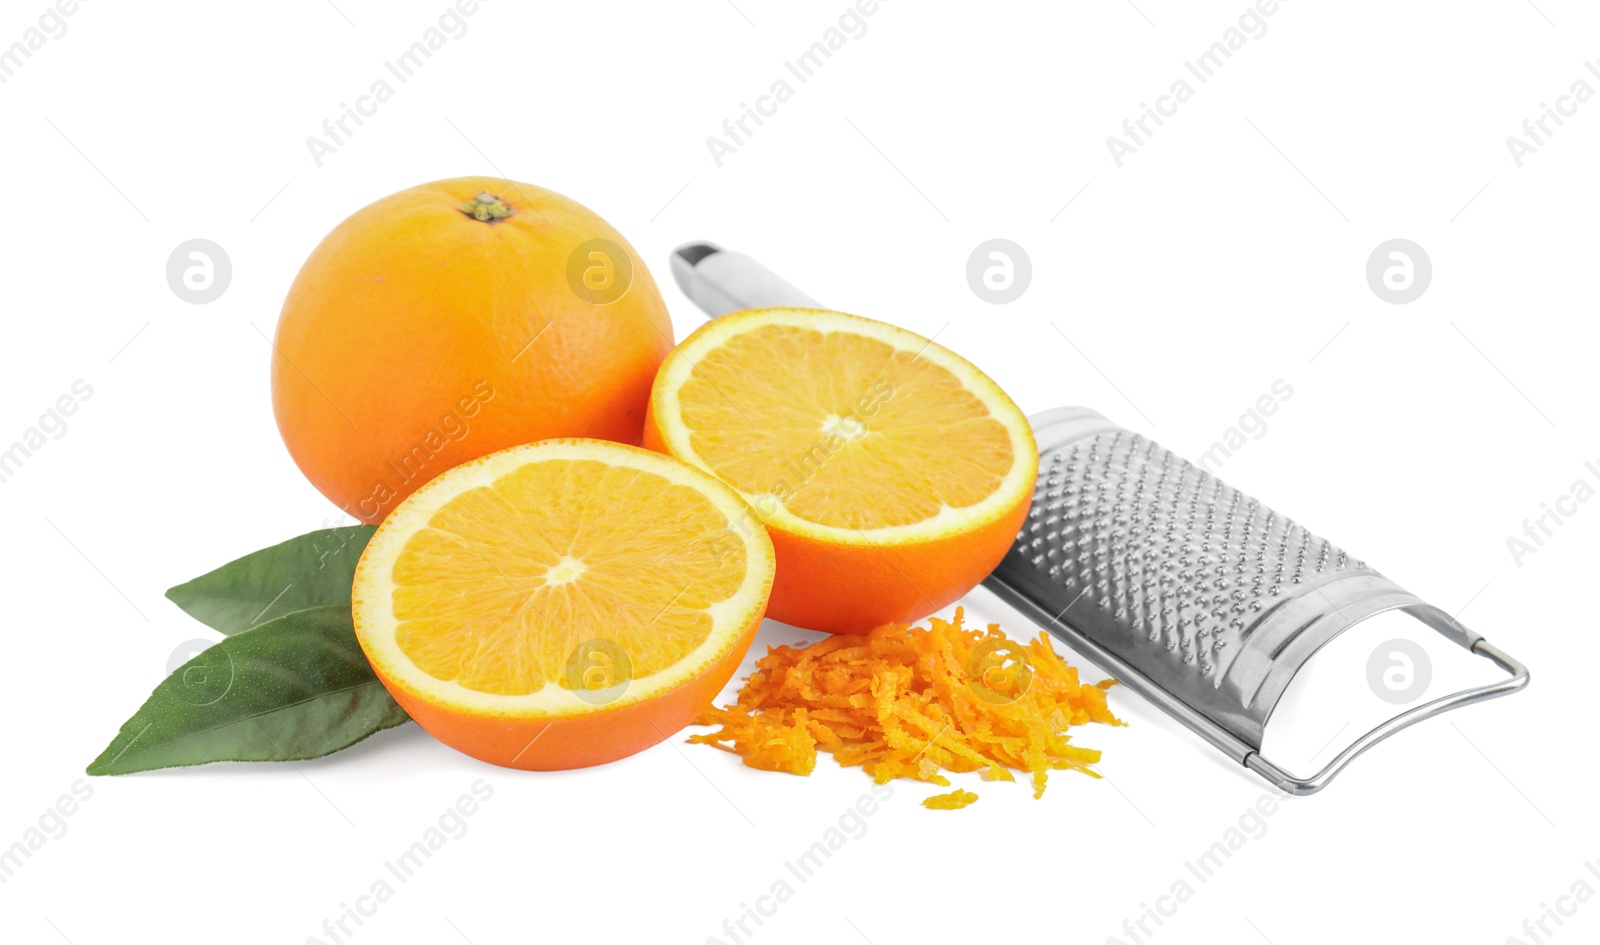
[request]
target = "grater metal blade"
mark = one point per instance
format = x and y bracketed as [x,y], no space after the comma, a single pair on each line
[1187,590]
[1194,594]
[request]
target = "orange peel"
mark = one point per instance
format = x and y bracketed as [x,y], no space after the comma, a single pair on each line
[911,702]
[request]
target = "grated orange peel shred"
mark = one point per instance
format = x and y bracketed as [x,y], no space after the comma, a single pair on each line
[955,800]
[905,701]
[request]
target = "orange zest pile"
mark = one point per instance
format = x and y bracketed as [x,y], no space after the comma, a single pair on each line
[908,702]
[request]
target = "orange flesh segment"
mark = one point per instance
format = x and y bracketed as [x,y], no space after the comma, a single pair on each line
[907,438]
[900,702]
[509,579]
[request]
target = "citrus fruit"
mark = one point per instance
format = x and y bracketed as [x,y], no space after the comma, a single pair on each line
[892,474]
[454,319]
[561,604]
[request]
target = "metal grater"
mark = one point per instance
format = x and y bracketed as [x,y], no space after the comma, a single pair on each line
[1188,591]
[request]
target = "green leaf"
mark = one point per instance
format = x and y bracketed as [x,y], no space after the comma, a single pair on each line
[292,688]
[313,570]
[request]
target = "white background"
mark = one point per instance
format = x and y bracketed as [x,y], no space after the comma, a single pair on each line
[1227,253]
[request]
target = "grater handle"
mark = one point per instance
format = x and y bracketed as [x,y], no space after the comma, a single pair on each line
[1442,622]
[720,281]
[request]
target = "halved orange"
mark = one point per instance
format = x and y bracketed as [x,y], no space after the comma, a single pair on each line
[561,604]
[892,474]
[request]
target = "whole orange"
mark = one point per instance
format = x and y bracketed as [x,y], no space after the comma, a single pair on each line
[455,319]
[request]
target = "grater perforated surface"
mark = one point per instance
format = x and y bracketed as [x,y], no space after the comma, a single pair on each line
[1209,593]
[1170,550]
